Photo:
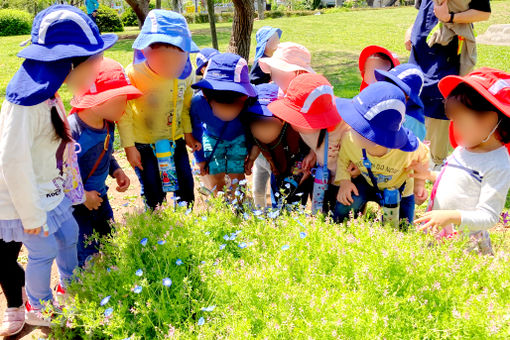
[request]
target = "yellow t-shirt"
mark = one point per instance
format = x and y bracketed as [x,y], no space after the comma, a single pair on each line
[149,118]
[389,170]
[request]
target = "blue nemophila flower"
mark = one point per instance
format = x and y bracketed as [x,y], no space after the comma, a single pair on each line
[167,282]
[175,198]
[242,245]
[277,194]
[188,211]
[226,237]
[201,321]
[235,181]
[220,193]
[108,269]
[234,202]
[243,182]
[285,247]
[105,300]
[204,218]
[287,185]
[143,242]
[137,289]
[125,204]
[108,312]
[299,194]
[208,309]
[161,242]
[273,214]
[207,233]
[178,262]
[139,272]
[182,204]
[246,216]
[257,212]
[302,234]
[222,246]
[237,193]
[202,262]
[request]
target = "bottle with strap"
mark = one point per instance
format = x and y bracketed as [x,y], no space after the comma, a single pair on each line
[321,180]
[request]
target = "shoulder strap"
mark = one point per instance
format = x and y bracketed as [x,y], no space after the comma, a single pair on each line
[367,164]
[223,129]
[326,149]
[100,158]
[174,118]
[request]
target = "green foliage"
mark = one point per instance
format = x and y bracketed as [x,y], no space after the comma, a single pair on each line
[31,6]
[107,19]
[129,17]
[14,22]
[284,277]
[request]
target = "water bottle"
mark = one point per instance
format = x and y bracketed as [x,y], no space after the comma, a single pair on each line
[320,185]
[164,153]
[391,207]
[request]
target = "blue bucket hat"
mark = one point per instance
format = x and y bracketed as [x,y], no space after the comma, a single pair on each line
[227,72]
[63,32]
[262,36]
[409,77]
[377,114]
[203,58]
[162,26]
[266,94]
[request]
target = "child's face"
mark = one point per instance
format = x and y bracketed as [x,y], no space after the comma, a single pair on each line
[166,61]
[272,45]
[83,76]
[228,112]
[374,63]
[283,78]
[112,109]
[470,127]
[266,130]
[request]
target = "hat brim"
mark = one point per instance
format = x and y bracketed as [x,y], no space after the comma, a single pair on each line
[246,89]
[59,52]
[382,75]
[449,83]
[145,40]
[403,139]
[260,110]
[91,100]
[266,64]
[282,110]
[373,49]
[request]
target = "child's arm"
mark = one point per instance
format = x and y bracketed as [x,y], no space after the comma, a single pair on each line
[196,125]
[419,167]
[187,127]
[120,176]
[343,177]
[127,137]
[252,156]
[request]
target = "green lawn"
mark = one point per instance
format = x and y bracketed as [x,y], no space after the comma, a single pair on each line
[335,41]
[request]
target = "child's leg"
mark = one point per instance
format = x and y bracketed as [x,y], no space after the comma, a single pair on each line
[184,174]
[407,207]
[12,275]
[67,259]
[366,194]
[150,180]
[260,179]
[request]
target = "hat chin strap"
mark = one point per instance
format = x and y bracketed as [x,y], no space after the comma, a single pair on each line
[491,133]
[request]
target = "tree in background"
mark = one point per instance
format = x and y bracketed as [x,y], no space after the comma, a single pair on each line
[212,23]
[141,9]
[242,27]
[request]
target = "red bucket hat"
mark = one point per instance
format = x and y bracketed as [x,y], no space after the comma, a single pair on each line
[491,83]
[309,103]
[371,50]
[111,82]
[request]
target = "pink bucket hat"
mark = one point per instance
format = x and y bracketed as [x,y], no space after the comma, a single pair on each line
[288,57]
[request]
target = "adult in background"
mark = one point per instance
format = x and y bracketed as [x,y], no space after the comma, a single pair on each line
[92,6]
[438,61]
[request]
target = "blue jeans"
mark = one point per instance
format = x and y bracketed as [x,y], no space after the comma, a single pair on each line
[90,221]
[150,180]
[367,193]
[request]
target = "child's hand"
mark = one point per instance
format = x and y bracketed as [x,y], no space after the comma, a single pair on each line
[134,158]
[420,170]
[347,188]
[420,195]
[192,143]
[353,170]
[248,165]
[202,168]
[309,161]
[93,200]
[37,231]
[438,219]
[122,180]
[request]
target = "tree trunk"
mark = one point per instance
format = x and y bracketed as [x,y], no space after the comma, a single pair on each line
[212,23]
[141,9]
[175,6]
[261,7]
[242,26]
[158,4]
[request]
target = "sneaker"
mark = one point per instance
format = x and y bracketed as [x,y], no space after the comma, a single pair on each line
[60,297]
[13,322]
[35,317]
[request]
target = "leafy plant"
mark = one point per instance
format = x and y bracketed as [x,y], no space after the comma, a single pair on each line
[107,19]
[14,22]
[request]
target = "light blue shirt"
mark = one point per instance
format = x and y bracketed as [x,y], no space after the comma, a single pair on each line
[92,5]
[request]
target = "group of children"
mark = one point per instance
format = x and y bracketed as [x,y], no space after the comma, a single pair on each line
[281,121]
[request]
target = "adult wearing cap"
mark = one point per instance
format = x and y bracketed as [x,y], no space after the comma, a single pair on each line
[438,61]
[65,47]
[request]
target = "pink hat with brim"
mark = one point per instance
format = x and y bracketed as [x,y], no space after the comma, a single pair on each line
[288,57]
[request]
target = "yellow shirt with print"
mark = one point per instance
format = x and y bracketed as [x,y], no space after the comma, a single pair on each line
[388,169]
[149,118]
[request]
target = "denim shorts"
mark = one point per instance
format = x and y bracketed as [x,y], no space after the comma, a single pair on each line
[228,157]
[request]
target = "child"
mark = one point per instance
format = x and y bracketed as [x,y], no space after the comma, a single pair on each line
[203,58]
[309,107]
[216,118]
[281,146]
[93,128]
[381,148]
[288,61]
[66,47]
[375,58]
[162,71]
[409,78]
[268,39]
[470,191]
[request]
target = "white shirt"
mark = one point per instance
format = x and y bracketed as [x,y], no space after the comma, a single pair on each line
[475,184]
[28,169]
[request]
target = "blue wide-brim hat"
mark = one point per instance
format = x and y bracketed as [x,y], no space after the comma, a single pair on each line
[266,94]
[203,57]
[377,114]
[63,32]
[162,26]
[227,72]
[262,37]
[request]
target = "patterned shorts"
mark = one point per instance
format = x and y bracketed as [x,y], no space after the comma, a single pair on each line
[228,157]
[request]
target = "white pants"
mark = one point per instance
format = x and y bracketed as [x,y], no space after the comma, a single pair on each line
[261,175]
